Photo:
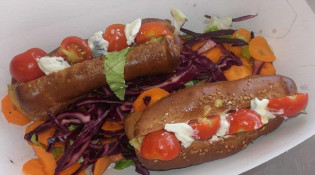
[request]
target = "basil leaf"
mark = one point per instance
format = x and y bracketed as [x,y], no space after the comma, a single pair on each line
[114,72]
[124,163]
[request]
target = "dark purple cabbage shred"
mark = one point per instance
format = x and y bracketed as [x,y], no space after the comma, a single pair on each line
[89,114]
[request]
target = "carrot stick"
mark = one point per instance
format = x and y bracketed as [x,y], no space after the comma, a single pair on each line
[112,126]
[71,169]
[148,97]
[11,114]
[101,165]
[267,69]
[33,167]
[237,72]
[260,50]
[47,159]
[32,126]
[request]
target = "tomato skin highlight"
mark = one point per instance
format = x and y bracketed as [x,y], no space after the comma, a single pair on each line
[207,128]
[289,105]
[244,120]
[24,67]
[115,35]
[74,50]
[161,145]
[151,30]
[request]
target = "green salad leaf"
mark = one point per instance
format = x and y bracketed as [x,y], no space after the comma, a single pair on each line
[34,140]
[114,72]
[217,23]
[124,163]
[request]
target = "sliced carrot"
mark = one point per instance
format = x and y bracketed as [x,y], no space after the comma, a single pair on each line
[32,126]
[242,34]
[213,54]
[245,61]
[101,165]
[153,95]
[116,158]
[33,167]
[112,126]
[237,72]
[110,140]
[11,114]
[71,169]
[260,50]
[267,69]
[236,50]
[47,159]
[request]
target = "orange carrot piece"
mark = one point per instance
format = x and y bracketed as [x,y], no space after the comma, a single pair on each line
[237,72]
[32,126]
[110,140]
[260,50]
[101,165]
[47,159]
[245,61]
[242,34]
[33,167]
[11,114]
[112,126]
[154,94]
[116,158]
[71,169]
[213,54]
[267,69]
[237,50]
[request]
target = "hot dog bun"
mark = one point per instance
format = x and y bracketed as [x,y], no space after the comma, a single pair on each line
[52,93]
[191,103]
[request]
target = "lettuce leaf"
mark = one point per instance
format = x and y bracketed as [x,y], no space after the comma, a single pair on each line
[216,23]
[34,140]
[124,163]
[114,72]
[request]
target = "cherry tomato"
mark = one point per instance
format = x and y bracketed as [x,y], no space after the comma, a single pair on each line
[244,120]
[289,105]
[24,67]
[161,145]
[151,30]
[115,35]
[206,128]
[74,50]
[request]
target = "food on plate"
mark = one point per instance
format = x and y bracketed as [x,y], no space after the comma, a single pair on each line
[171,132]
[111,98]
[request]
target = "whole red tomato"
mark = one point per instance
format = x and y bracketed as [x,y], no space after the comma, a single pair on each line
[24,67]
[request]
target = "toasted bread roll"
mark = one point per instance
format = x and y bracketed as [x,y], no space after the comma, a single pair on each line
[54,92]
[194,102]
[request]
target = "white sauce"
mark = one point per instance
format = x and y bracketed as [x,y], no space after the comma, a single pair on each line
[224,128]
[98,45]
[260,106]
[52,64]
[183,133]
[131,30]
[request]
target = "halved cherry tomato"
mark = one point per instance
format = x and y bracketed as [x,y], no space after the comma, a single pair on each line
[289,105]
[206,127]
[161,145]
[244,120]
[24,67]
[115,35]
[74,50]
[151,30]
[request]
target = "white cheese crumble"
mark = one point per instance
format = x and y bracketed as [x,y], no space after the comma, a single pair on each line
[98,45]
[224,128]
[183,133]
[52,64]
[131,30]
[260,106]
[178,20]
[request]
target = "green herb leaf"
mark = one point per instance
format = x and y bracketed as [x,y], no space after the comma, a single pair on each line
[192,83]
[57,151]
[114,72]
[245,52]
[72,127]
[34,140]
[124,163]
